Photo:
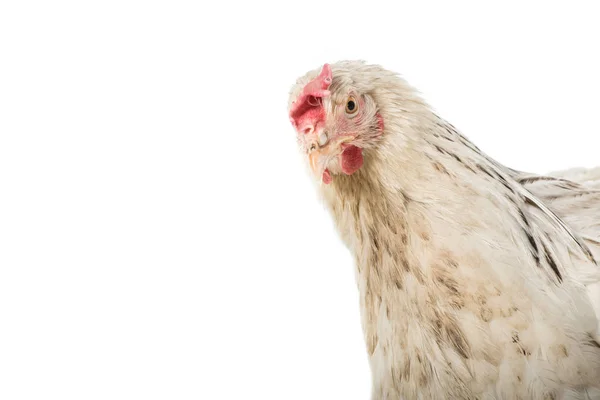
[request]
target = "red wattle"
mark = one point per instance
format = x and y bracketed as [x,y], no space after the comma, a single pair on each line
[326,177]
[351,159]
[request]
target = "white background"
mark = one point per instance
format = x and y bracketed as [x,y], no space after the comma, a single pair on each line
[159,238]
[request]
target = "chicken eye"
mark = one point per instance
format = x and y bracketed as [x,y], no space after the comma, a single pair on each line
[351,106]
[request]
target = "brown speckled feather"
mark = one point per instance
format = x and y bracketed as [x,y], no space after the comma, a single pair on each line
[476,281]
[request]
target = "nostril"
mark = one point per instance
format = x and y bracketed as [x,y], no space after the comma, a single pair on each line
[308,130]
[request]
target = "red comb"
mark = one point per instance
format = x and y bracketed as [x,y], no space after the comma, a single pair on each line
[308,99]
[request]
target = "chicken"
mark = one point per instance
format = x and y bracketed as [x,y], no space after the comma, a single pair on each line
[476,281]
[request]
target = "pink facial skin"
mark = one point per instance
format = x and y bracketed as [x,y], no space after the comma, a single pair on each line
[308,108]
[307,114]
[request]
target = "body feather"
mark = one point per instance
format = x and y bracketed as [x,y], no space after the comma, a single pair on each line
[476,281]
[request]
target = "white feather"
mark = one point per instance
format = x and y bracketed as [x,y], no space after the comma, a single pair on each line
[476,281]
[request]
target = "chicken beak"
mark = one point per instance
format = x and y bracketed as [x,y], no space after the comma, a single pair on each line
[319,156]
[318,160]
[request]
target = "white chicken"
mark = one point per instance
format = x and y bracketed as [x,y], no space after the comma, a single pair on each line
[476,281]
